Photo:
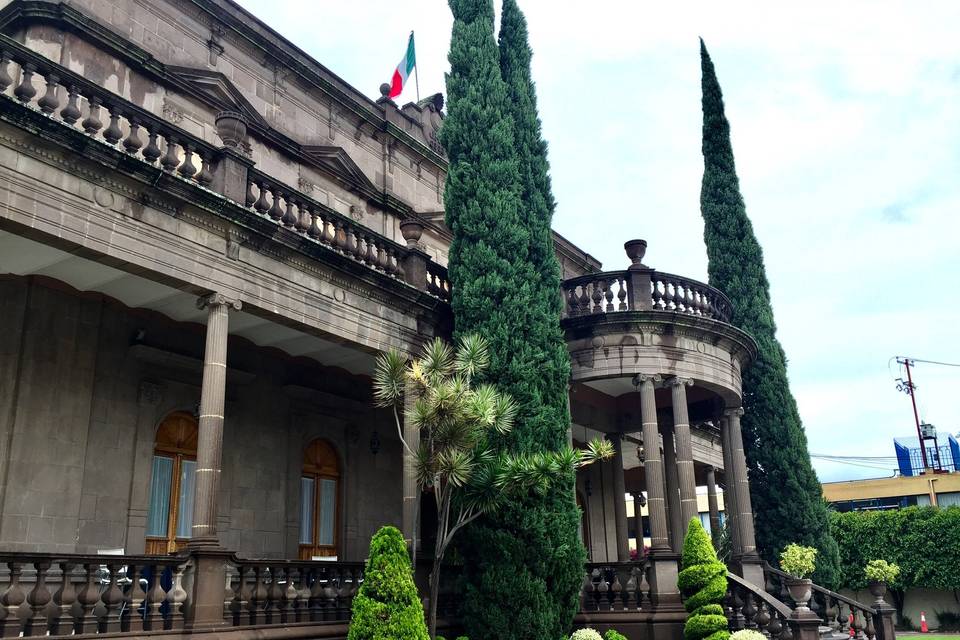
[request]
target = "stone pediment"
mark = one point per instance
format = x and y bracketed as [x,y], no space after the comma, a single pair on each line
[220,91]
[335,161]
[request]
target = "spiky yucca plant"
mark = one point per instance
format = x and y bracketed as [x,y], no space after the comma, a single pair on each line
[456,456]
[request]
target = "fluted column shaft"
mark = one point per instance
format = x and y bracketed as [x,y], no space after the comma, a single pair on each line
[638,516]
[210,438]
[729,495]
[684,444]
[712,505]
[671,479]
[741,483]
[620,499]
[653,465]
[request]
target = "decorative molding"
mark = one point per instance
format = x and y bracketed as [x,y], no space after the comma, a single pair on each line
[218,300]
[170,112]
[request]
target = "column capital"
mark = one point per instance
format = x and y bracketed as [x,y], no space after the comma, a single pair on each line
[217,299]
[676,381]
[640,378]
[735,411]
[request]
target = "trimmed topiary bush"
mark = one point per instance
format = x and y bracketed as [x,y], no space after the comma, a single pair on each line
[614,635]
[703,584]
[387,607]
[586,634]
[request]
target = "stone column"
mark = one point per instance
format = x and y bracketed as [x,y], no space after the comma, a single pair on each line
[653,465]
[664,564]
[209,559]
[729,495]
[638,502]
[210,439]
[684,444]
[620,499]
[712,504]
[751,567]
[674,517]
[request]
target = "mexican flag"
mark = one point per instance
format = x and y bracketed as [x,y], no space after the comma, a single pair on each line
[404,69]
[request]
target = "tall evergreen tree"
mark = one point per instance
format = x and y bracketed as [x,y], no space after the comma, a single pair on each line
[787,498]
[531,548]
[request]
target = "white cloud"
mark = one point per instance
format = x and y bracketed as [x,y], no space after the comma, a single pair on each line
[847,139]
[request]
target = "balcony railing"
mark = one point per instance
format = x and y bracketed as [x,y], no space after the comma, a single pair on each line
[641,288]
[152,147]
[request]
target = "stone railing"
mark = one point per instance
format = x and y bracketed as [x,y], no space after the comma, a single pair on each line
[615,586]
[63,595]
[280,592]
[152,148]
[749,606]
[641,288]
[838,612]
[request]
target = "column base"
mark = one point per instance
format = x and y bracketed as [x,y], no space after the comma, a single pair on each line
[664,569]
[209,578]
[749,566]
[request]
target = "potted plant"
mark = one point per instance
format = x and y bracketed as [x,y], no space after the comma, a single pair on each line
[880,573]
[799,562]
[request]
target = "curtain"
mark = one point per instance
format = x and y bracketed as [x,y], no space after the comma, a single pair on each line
[306,510]
[328,511]
[161,476]
[185,512]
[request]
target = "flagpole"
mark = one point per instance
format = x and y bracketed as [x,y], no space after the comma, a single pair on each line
[416,68]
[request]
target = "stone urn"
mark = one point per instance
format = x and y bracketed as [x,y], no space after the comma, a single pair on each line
[635,249]
[801,589]
[878,589]
[231,128]
[411,230]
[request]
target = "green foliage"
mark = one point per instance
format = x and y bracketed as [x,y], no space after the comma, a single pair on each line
[881,571]
[387,606]
[703,584]
[923,541]
[947,620]
[505,276]
[586,634]
[799,561]
[785,492]
[613,635]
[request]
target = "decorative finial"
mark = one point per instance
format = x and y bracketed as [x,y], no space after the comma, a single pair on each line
[384,93]
[635,249]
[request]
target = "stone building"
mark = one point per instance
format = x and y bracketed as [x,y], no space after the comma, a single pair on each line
[206,237]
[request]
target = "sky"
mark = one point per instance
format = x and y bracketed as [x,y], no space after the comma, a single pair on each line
[845,120]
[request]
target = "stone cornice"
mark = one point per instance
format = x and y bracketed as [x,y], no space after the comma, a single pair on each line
[23,12]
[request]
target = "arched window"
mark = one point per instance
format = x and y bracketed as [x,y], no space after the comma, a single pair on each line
[170,516]
[319,501]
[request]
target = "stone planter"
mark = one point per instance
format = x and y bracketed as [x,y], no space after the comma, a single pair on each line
[800,590]
[411,230]
[878,589]
[231,128]
[635,249]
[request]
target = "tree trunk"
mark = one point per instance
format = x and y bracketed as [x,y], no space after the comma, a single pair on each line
[439,547]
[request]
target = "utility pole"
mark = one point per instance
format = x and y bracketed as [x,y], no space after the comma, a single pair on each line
[911,391]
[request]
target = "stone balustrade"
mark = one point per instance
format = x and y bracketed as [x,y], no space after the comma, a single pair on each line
[641,288]
[151,146]
[615,586]
[63,595]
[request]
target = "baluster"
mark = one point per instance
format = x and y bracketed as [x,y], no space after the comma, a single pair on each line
[316,596]
[775,628]
[371,254]
[359,251]
[11,600]
[229,596]
[381,257]
[608,294]
[111,598]
[152,619]
[631,601]
[289,597]
[763,617]
[302,603]
[669,296]
[603,591]
[330,594]
[643,593]
[842,620]
[616,592]
[88,598]
[71,112]
[308,221]
[171,159]
[869,629]
[749,610]
[345,595]
[176,597]
[274,597]
[288,219]
[316,228]
[151,153]
[63,599]
[856,624]
[251,197]
[49,102]
[622,294]
[584,299]
[241,599]
[832,612]
[656,295]
[132,142]
[5,79]
[25,91]
[205,177]
[586,593]
[573,302]
[258,597]
[261,205]
[187,168]
[275,212]
[736,605]
[91,124]
[132,619]
[38,598]
[597,296]
[113,132]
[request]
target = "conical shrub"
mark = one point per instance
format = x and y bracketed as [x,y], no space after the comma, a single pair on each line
[703,584]
[387,607]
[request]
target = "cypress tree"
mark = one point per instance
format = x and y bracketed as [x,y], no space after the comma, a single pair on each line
[530,549]
[787,498]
